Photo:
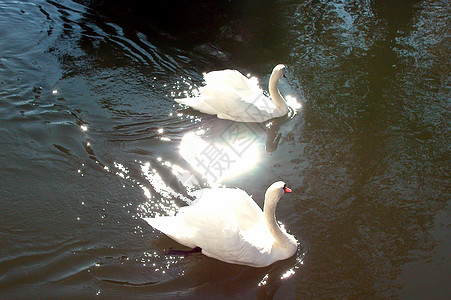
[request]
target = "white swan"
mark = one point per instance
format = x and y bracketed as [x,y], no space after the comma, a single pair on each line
[231,95]
[228,225]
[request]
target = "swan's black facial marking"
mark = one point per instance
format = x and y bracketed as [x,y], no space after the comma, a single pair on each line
[283,73]
[286,189]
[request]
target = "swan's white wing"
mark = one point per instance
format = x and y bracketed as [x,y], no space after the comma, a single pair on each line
[235,204]
[229,103]
[233,80]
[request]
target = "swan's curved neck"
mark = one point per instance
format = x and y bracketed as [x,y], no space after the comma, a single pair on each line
[269,212]
[275,93]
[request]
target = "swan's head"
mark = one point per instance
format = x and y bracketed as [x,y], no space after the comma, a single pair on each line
[279,71]
[276,191]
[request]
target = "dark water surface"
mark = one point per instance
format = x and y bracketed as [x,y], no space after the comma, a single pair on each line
[92,141]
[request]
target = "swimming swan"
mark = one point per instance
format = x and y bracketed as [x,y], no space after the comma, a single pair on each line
[231,95]
[227,224]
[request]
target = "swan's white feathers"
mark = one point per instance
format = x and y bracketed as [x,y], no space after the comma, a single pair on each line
[231,103]
[231,95]
[227,224]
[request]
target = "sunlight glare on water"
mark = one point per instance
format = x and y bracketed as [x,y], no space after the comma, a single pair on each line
[293,102]
[220,158]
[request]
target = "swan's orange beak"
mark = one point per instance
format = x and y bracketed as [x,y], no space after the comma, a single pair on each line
[287,190]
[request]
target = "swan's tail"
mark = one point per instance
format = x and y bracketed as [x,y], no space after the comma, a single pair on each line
[197,103]
[162,224]
[189,101]
[171,227]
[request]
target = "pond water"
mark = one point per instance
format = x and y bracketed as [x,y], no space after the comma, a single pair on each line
[92,141]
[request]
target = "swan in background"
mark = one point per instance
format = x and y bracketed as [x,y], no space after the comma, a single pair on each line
[227,224]
[231,95]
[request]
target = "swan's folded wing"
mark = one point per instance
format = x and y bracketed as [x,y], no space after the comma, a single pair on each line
[236,204]
[216,99]
[221,237]
[233,80]
[228,103]
[247,213]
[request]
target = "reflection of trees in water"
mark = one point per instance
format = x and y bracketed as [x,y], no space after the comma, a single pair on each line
[370,184]
[227,30]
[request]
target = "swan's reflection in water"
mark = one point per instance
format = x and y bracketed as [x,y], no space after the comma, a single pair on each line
[272,136]
[278,272]
[227,149]
[222,156]
[210,156]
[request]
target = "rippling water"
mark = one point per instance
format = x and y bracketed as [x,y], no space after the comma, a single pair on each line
[92,141]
